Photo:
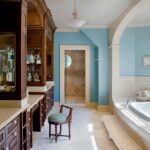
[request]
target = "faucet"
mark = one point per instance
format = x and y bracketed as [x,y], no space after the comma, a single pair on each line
[128,101]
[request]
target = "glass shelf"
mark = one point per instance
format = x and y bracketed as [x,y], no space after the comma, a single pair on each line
[33,61]
[7,62]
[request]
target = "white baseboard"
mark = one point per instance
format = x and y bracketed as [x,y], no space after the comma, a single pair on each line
[56,104]
[101,108]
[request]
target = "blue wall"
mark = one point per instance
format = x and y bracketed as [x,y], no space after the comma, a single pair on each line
[98,41]
[100,38]
[142,48]
[127,53]
[135,43]
[74,38]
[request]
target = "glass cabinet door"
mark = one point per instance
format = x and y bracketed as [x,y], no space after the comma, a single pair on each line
[7,62]
[33,61]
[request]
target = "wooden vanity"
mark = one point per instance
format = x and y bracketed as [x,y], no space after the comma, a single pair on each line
[18,124]
[26,38]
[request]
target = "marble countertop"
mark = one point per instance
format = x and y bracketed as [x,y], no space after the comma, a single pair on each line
[33,100]
[48,85]
[8,114]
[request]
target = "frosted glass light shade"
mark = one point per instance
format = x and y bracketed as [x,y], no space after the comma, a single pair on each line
[75,23]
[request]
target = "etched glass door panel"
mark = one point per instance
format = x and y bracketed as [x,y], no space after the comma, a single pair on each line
[7,62]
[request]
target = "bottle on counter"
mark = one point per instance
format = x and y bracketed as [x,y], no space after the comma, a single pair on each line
[11,56]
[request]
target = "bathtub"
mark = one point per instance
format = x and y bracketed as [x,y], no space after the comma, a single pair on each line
[136,117]
[142,109]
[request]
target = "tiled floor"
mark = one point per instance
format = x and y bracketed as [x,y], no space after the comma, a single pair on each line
[75,100]
[88,133]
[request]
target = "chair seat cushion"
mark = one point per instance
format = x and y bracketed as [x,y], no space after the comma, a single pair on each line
[57,118]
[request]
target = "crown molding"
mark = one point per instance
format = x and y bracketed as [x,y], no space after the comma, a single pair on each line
[138,25]
[92,27]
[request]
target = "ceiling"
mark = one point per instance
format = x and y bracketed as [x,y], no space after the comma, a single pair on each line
[96,13]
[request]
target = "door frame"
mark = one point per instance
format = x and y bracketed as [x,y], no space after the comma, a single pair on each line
[86,48]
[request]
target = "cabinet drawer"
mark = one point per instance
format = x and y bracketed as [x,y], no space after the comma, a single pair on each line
[2,136]
[13,144]
[3,146]
[14,134]
[12,126]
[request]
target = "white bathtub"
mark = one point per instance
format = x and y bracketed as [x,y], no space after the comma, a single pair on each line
[135,117]
[142,109]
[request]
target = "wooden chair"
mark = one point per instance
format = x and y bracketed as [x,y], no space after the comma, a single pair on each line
[59,119]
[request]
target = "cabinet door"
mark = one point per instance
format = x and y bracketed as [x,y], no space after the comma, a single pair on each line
[29,129]
[49,97]
[3,146]
[2,139]
[12,126]
[2,136]
[35,58]
[13,144]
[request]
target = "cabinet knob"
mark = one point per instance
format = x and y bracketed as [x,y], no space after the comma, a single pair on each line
[15,122]
[7,148]
[15,134]
[29,133]
[29,119]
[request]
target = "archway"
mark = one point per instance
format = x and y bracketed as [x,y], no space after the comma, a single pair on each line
[116,32]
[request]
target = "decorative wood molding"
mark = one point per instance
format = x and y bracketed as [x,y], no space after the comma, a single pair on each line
[50,22]
[38,14]
[34,14]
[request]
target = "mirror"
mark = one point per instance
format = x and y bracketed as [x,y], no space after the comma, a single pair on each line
[68,60]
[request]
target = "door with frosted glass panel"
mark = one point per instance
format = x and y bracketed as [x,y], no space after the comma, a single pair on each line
[75,76]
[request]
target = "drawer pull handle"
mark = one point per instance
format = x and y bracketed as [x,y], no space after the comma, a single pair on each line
[29,119]
[7,148]
[15,134]
[29,133]
[15,122]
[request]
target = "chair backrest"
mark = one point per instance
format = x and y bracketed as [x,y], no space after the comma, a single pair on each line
[69,109]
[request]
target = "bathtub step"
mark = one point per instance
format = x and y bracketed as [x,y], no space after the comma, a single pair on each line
[118,134]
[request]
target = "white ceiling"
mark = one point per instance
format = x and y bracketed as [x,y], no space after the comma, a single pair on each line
[96,13]
[143,16]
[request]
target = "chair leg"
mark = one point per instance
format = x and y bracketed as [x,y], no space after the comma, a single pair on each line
[60,129]
[69,126]
[49,130]
[56,135]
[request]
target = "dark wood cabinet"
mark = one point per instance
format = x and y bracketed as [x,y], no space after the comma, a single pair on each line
[12,50]
[13,142]
[35,58]
[26,58]
[50,29]
[2,139]
[49,99]
[46,103]
[40,31]
[29,129]
[10,135]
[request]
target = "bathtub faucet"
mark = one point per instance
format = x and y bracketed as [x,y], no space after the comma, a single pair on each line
[127,102]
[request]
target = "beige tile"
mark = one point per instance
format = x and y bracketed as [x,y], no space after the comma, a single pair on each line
[88,133]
